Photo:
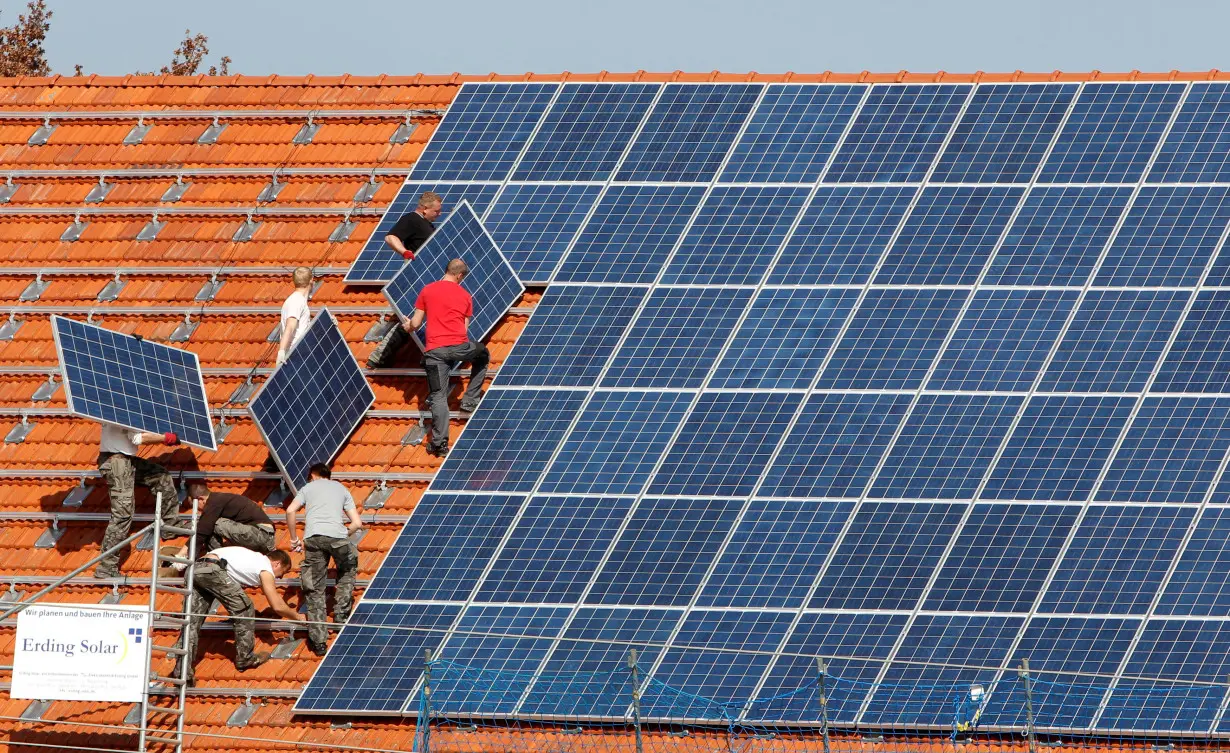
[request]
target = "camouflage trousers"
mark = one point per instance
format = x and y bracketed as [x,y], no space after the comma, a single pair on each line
[210,582]
[122,474]
[318,550]
[255,537]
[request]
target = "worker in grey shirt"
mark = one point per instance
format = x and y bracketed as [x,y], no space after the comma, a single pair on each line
[329,520]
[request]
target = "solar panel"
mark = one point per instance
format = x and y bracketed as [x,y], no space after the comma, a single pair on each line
[124,380]
[308,408]
[491,282]
[924,379]
[377,263]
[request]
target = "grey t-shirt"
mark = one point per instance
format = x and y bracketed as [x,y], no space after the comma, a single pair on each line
[325,503]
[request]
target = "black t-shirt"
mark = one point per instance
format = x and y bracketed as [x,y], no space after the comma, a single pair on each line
[412,230]
[234,507]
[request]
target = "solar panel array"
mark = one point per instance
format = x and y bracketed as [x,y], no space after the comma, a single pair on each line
[912,375]
[124,380]
[309,407]
[491,281]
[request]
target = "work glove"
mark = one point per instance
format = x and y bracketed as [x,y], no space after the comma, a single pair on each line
[281,357]
[408,255]
[170,439]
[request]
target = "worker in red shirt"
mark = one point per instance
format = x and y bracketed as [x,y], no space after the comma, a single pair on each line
[447,308]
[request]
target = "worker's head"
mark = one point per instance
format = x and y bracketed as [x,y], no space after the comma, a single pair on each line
[280,561]
[430,205]
[319,470]
[302,277]
[456,270]
[199,491]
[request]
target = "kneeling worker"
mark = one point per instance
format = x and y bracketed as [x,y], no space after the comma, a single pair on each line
[229,518]
[222,574]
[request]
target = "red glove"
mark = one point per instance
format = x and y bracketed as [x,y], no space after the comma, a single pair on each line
[408,255]
[170,439]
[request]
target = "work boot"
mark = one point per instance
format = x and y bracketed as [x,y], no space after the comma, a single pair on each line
[106,571]
[439,451]
[320,649]
[469,406]
[258,658]
[394,339]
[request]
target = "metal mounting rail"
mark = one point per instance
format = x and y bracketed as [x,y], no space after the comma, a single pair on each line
[48,411]
[101,309]
[165,210]
[37,516]
[171,171]
[203,114]
[150,271]
[88,580]
[43,473]
[241,371]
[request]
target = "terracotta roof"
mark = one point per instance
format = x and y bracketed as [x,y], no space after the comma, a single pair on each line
[358,117]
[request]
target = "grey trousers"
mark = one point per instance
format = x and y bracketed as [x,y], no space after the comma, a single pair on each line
[439,362]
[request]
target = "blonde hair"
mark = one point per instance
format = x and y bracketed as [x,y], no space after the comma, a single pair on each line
[428,198]
[302,277]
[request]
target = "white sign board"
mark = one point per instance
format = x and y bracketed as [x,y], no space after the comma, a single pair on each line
[81,652]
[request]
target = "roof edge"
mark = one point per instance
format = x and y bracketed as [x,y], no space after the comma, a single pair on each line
[422,79]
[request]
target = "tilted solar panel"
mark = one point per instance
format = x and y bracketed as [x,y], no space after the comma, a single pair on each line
[308,408]
[124,380]
[927,379]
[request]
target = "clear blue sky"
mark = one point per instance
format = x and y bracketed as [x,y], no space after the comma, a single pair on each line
[547,36]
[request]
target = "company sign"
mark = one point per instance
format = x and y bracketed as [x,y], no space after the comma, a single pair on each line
[81,652]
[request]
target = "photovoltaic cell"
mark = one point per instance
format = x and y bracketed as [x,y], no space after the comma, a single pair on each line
[554,549]
[1000,560]
[1059,447]
[491,282]
[792,133]
[585,131]
[776,552]
[696,675]
[676,337]
[507,444]
[1057,236]
[1200,585]
[377,263]
[1117,559]
[662,554]
[897,134]
[887,555]
[444,546]
[586,674]
[867,636]
[1112,131]
[946,446]
[1002,340]
[533,225]
[307,410]
[377,659]
[1004,133]
[918,687]
[1056,647]
[784,339]
[1171,451]
[121,379]
[1167,237]
[616,442]
[1114,340]
[735,236]
[835,445]
[949,236]
[894,336]
[725,443]
[630,234]
[688,132]
[570,336]
[1199,359]
[842,234]
[1197,149]
[485,129]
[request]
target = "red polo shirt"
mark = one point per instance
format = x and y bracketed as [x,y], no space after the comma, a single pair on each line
[447,306]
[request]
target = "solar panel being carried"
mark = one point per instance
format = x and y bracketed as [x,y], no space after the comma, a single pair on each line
[309,407]
[929,377]
[125,380]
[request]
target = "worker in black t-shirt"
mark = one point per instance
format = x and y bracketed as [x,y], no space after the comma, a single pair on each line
[230,518]
[407,237]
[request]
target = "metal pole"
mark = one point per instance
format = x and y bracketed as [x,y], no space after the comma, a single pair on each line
[185,666]
[1029,706]
[149,620]
[425,714]
[634,678]
[824,703]
[66,578]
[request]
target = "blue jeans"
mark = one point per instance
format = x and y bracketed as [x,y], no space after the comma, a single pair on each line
[439,362]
